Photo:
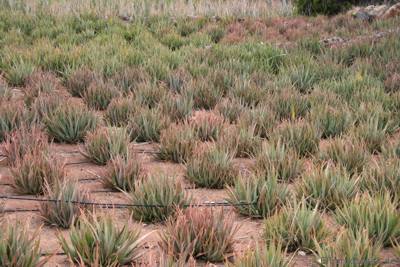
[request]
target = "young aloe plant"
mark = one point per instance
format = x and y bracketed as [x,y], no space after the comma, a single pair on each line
[122,173]
[65,211]
[156,199]
[377,215]
[70,123]
[98,241]
[105,144]
[211,169]
[202,234]
[273,255]
[296,226]
[34,170]
[278,158]
[18,247]
[266,195]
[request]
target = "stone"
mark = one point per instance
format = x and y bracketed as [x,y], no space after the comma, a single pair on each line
[332,41]
[378,11]
[372,12]
[364,15]
[391,12]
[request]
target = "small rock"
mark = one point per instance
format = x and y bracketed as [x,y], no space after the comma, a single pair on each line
[125,17]
[301,253]
[332,40]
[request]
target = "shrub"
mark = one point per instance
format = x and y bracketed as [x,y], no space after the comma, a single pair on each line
[99,95]
[327,187]
[70,123]
[352,248]
[289,105]
[211,169]
[261,118]
[326,7]
[146,125]
[78,82]
[119,111]
[173,41]
[391,150]
[44,105]
[375,214]
[207,126]
[204,95]
[303,78]
[122,173]
[12,115]
[382,176]
[149,94]
[230,109]
[350,154]
[392,83]
[63,212]
[377,117]
[247,92]
[266,195]
[97,241]
[297,227]
[277,158]
[34,170]
[5,92]
[206,234]
[216,33]
[241,141]
[178,80]
[18,247]
[106,143]
[39,83]
[269,256]
[18,72]
[300,136]
[178,107]
[177,143]
[156,198]
[24,141]
[372,134]
[330,122]
[396,246]
[129,79]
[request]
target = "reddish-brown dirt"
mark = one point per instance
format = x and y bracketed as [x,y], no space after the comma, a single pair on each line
[79,168]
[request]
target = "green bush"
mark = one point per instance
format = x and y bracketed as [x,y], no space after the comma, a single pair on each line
[353,248]
[267,195]
[212,169]
[375,214]
[104,144]
[327,187]
[202,234]
[70,123]
[154,199]
[296,226]
[177,143]
[277,157]
[63,213]
[97,241]
[269,256]
[18,248]
[325,7]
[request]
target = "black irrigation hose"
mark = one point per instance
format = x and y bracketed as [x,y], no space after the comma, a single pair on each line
[122,205]
[77,163]
[47,254]
[19,210]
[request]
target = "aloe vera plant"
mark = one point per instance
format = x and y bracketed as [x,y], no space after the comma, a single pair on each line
[98,241]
